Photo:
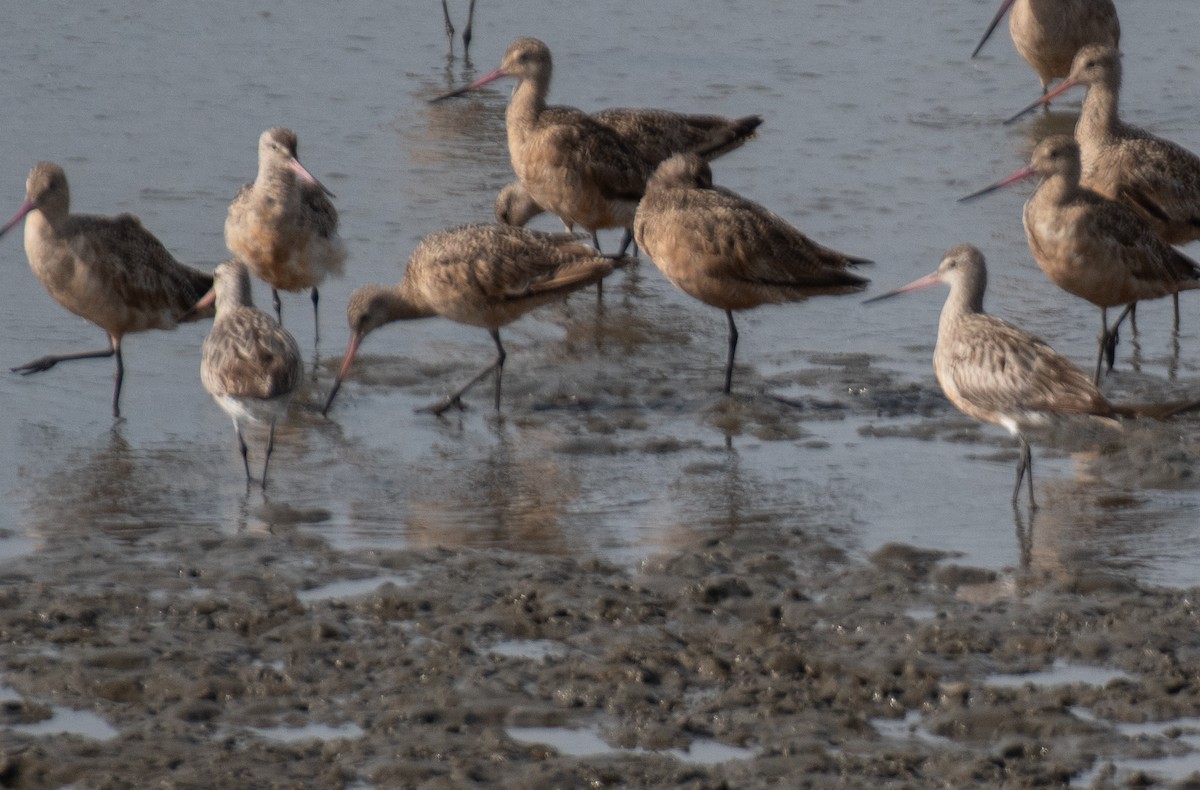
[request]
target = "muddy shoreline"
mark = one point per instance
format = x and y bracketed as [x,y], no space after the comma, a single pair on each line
[198,649]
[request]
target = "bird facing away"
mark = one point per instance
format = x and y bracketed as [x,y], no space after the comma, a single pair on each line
[730,252]
[656,135]
[1155,177]
[1048,33]
[480,275]
[108,270]
[283,225]
[998,373]
[249,363]
[570,164]
[1093,247]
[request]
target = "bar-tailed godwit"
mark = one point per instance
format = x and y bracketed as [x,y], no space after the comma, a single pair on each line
[998,373]
[249,363]
[283,225]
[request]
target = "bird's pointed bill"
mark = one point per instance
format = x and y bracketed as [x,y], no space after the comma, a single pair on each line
[1004,6]
[479,83]
[915,285]
[26,207]
[1024,172]
[308,177]
[351,350]
[206,301]
[1059,90]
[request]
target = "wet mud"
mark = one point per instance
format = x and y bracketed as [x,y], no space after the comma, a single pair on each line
[744,653]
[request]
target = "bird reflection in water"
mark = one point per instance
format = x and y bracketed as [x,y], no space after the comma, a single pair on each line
[125,492]
[514,497]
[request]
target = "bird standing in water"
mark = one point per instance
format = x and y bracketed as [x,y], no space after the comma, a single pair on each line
[249,363]
[998,373]
[1093,247]
[108,270]
[730,252]
[480,275]
[1048,33]
[283,225]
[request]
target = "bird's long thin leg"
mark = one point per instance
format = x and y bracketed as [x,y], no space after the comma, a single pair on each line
[600,284]
[237,429]
[626,242]
[1110,346]
[455,398]
[467,30]
[270,447]
[1175,304]
[49,361]
[1109,337]
[1024,466]
[316,298]
[733,339]
[500,356]
[278,306]
[449,26]
[118,376]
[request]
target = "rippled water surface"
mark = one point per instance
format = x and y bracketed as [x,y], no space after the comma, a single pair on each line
[615,440]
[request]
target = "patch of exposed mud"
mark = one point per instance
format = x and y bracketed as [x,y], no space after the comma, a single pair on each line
[271,660]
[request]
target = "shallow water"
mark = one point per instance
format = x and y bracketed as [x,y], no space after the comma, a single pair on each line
[615,441]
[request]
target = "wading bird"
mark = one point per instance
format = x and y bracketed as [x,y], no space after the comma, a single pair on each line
[109,270]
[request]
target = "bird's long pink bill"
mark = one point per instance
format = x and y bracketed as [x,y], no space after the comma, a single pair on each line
[915,285]
[1004,6]
[351,350]
[26,207]
[479,83]
[302,171]
[1024,172]
[1060,89]
[200,308]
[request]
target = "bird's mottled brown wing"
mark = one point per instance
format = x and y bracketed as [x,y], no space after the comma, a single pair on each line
[657,134]
[138,268]
[601,157]
[319,211]
[748,242]
[1117,232]
[248,354]
[1162,180]
[988,367]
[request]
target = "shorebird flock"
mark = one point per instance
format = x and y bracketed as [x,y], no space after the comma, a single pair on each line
[1112,202]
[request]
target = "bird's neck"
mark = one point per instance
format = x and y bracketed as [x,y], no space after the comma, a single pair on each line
[274,180]
[961,302]
[1057,189]
[232,293]
[406,302]
[1099,120]
[526,105]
